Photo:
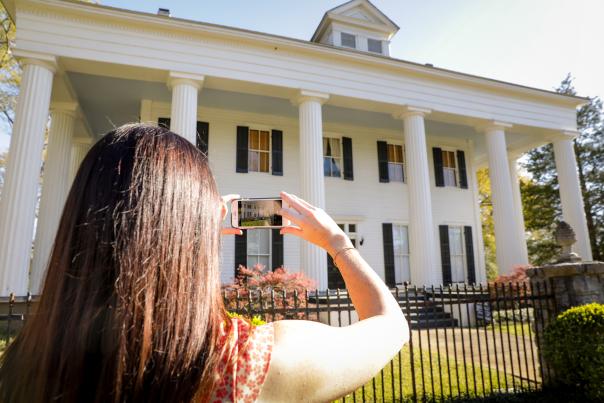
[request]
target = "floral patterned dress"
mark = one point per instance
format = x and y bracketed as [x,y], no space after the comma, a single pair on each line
[244,365]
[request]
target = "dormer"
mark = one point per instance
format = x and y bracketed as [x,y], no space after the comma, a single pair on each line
[356,24]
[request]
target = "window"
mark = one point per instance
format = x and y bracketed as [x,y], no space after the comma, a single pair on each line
[348,40]
[400,238]
[449,168]
[396,170]
[259,247]
[332,157]
[334,278]
[374,45]
[259,150]
[457,253]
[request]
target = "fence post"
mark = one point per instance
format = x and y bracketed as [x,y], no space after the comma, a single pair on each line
[570,282]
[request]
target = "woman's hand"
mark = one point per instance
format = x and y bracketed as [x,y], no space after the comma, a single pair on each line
[228,230]
[313,224]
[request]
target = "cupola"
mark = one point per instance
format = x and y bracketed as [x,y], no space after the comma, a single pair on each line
[356,24]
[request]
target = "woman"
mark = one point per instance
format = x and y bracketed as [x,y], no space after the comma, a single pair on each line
[131,309]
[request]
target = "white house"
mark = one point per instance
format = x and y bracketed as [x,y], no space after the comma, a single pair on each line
[388,147]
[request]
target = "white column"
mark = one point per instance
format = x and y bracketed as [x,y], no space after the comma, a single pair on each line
[183,118]
[313,260]
[55,180]
[79,149]
[18,201]
[573,210]
[518,211]
[508,244]
[422,243]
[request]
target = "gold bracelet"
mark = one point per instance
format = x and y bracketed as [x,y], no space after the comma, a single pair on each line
[344,249]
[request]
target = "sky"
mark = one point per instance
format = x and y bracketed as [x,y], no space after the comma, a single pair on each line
[529,42]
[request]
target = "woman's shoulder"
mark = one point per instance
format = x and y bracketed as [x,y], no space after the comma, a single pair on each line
[245,361]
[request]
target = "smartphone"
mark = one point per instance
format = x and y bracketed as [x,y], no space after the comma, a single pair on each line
[257,213]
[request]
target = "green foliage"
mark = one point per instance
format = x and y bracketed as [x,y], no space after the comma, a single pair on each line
[574,348]
[255,320]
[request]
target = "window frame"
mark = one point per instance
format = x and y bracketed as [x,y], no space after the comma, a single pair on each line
[445,168]
[353,36]
[270,249]
[464,257]
[403,164]
[340,158]
[401,255]
[251,150]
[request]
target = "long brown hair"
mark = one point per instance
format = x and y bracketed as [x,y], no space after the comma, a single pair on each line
[131,305]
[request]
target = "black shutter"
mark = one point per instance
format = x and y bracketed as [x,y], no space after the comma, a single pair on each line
[277,152]
[470,254]
[347,154]
[445,253]
[277,248]
[203,136]
[382,148]
[240,251]
[439,177]
[242,148]
[463,175]
[164,122]
[388,254]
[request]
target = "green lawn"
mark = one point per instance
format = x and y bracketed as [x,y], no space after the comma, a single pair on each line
[515,329]
[386,387]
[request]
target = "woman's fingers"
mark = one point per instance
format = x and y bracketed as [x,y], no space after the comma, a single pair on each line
[291,230]
[231,231]
[294,203]
[291,214]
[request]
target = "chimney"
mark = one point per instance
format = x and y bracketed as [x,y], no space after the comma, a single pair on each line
[163,11]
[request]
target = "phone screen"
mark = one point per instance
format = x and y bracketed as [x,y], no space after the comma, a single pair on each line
[259,213]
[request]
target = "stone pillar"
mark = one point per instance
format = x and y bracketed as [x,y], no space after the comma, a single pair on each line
[183,118]
[570,195]
[55,182]
[518,211]
[79,149]
[18,201]
[509,246]
[423,262]
[313,260]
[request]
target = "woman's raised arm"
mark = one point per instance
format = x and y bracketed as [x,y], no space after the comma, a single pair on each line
[313,362]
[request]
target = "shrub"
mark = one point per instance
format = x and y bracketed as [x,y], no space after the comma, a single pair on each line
[256,320]
[256,289]
[574,348]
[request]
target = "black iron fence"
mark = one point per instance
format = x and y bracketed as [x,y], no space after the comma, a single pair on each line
[466,340]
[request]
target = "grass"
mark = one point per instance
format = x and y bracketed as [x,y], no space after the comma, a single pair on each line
[514,329]
[450,381]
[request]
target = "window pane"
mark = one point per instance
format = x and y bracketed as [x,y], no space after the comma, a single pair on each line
[455,242]
[252,242]
[374,45]
[391,153]
[325,146]
[335,147]
[404,239]
[399,154]
[335,167]
[253,161]
[395,172]
[254,139]
[326,166]
[348,40]
[352,228]
[263,162]
[264,241]
[457,269]
[342,227]
[264,261]
[264,141]
[450,177]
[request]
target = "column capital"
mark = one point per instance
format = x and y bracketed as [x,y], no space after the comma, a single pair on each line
[411,111]
[26,57]
[70,108]
[493,125]
[176,77]
[306,95]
